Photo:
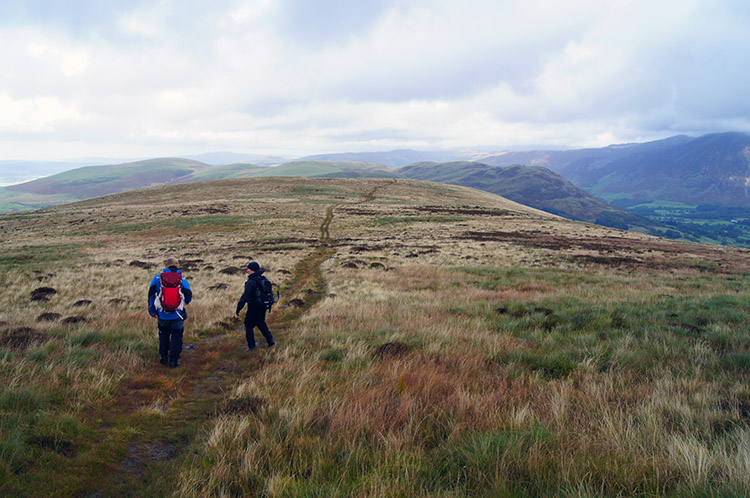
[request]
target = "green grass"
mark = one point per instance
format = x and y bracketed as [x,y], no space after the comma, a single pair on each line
[181,223]
[316,168]
[40,255]
[14,207]
[482,464]
[640,333]
[499,379]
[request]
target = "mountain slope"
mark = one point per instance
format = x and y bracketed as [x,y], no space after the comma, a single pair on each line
[225,158]
[236,170]
[575,162]
[713,169]
[529,185]
[391,159]
[532,186]
[93,181]
[331,169]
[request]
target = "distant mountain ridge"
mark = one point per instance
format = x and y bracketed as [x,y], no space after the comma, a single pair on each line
[226,158]
[533,186]
[14,172]
[714,169]
[390,159]
[698,187]
[711,169]
[567,162]
[93,181]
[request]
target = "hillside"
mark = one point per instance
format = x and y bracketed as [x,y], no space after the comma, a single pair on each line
[533,186]
[577,164]
[714,169]
[13,172]
[330,169]
[536,187]
[697,188]
[432,340]
[93,181]
[391,159]
[235,170]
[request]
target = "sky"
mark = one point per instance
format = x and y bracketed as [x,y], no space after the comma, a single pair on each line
[152,78]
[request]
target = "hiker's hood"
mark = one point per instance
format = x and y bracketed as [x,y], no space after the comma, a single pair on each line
[257,273]
[171,269]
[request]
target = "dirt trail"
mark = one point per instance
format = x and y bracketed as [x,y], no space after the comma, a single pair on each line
[165,409]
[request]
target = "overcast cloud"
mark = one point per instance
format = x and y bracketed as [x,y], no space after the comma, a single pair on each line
[152,78]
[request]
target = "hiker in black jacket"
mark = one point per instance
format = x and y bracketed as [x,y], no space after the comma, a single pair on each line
[256,308]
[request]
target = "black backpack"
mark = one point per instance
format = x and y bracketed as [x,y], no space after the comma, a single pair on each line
[264,293]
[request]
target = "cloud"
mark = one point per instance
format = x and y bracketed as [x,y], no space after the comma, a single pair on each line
[326,22]
[35,115]
[70,63]
[276,75]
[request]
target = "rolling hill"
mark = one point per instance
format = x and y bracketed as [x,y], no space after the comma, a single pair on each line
[13,172]
[532,186]
[536,187]
[93,181]
[327,169]
[236,170]
[391,159]
[633,176]
[432,340]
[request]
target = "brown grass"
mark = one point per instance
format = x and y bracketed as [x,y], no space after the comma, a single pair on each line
[425,367]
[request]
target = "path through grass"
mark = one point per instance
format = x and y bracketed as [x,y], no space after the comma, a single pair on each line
[164,412]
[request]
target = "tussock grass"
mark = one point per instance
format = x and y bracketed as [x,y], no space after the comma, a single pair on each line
[432,341]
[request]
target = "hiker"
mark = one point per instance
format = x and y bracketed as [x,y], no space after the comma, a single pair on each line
[259,297]
[167,296]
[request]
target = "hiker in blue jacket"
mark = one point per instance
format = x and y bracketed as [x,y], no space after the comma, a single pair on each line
[256,307]
[167,296]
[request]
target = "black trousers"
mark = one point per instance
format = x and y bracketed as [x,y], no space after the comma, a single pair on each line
[170,338]
[256,317]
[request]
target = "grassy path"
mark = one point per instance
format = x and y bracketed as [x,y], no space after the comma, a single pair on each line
[146,435]
[325,235]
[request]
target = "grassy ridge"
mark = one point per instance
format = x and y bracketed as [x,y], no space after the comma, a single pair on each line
[432,341]
[532,186]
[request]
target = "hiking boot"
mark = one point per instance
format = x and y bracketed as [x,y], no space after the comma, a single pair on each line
[163,360]
[174,363]
[271,344]
[249,348]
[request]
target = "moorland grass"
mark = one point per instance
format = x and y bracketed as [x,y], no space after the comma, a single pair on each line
[621,412]
[412,359]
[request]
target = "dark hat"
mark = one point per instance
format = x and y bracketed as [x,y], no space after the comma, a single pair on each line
[253,266]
